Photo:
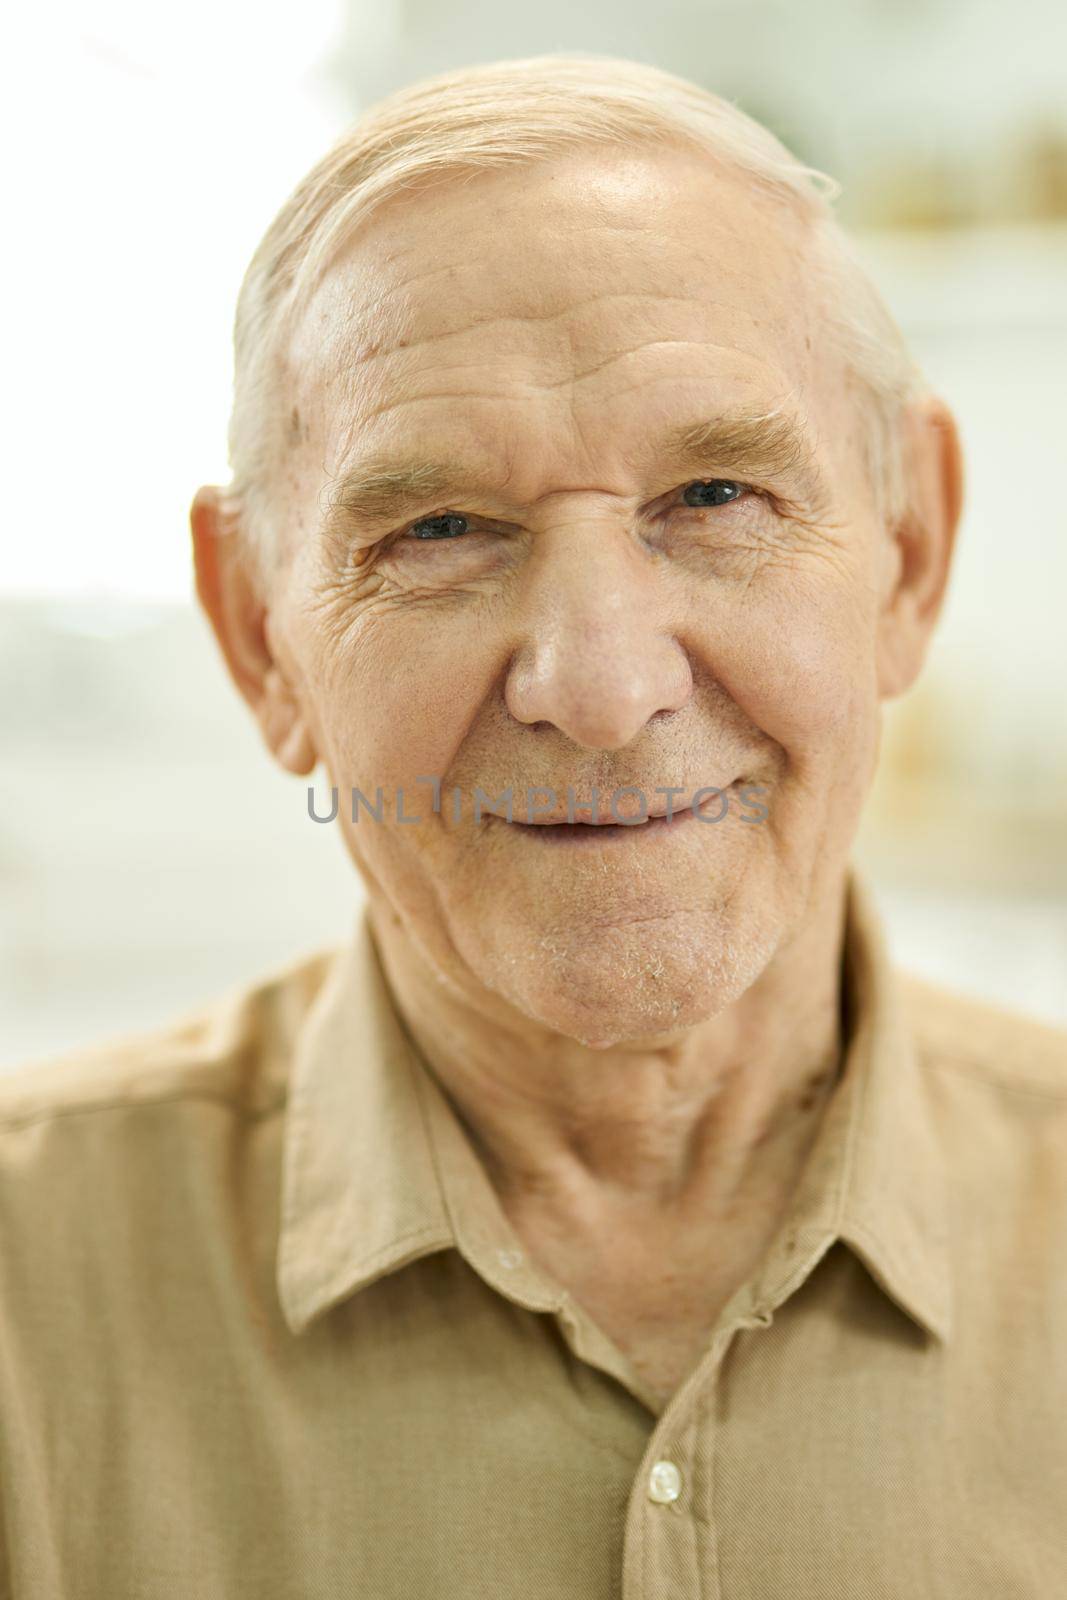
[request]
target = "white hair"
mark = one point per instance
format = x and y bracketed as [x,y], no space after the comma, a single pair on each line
[504,114]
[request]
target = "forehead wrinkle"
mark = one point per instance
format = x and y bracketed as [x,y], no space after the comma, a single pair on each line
[371,341]
[769,444]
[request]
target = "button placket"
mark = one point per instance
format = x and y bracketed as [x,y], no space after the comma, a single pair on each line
[670,1543]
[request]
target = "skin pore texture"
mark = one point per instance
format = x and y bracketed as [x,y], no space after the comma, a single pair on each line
[638,1031]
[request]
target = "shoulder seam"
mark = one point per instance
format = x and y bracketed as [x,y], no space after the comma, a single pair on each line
[937,1057]
[52,1113]
[1006,1011]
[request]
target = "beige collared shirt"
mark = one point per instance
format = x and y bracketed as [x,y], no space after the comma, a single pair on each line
[265,1330]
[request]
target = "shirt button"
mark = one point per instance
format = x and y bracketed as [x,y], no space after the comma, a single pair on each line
[664,1483]
[509,1258]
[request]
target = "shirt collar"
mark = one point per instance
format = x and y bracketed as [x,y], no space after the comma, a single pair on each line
[377,1170]
[875,1176]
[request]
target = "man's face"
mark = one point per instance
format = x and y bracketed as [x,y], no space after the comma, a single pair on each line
[583,625]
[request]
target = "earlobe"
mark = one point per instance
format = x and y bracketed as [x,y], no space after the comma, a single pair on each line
[283,726]
[297,753]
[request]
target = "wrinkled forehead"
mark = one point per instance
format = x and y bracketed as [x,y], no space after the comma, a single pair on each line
[580,279]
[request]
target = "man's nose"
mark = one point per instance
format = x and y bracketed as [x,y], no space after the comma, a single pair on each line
[597,656]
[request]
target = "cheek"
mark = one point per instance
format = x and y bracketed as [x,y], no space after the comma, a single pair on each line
[799,663]
[396,702]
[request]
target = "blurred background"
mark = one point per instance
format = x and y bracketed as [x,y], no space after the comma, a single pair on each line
[151,854]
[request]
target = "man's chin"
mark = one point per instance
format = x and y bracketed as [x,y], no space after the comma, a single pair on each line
[624,985]
[654,1020]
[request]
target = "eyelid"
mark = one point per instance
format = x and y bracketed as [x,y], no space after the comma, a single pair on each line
[428,516]
[738,483]
[752,491]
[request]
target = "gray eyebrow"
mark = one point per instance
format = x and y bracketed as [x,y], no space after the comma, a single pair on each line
[767,444]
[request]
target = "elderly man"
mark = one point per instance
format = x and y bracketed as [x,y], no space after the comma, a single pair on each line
[608,1217]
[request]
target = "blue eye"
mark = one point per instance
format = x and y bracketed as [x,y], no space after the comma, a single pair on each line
[700,493]
[445,526]
[709,492]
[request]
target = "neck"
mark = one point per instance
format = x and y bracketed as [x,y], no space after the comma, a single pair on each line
[650,1128]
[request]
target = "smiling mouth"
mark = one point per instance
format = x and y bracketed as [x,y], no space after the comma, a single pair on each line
[593,833]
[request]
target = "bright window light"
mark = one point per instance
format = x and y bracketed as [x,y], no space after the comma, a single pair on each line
[156,145]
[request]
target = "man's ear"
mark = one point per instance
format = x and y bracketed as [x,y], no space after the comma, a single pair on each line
[229,590]
[922,543]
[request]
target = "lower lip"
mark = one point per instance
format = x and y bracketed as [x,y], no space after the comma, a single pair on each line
[587,835]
